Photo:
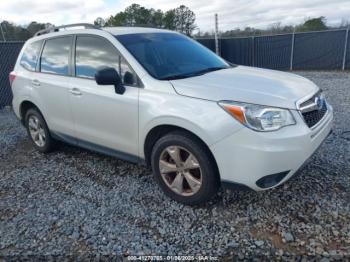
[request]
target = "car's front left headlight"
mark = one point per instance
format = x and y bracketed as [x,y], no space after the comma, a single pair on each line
[258,117]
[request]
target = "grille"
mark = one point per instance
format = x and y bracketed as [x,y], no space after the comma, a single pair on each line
[313,117]
[310,101]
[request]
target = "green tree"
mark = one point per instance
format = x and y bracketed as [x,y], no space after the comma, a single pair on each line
[136,15]
[313,24]
[157,18]
[117,20]
[181,19]
[133,15]
[99,21]
[184,20]
[13,32]
[34,27]
[169,20]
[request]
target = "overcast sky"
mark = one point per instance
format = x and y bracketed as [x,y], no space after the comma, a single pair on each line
[232,13]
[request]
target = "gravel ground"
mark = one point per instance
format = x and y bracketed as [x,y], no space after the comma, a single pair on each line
[79,203]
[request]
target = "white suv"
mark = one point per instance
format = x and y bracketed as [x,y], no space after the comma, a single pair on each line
[160,98]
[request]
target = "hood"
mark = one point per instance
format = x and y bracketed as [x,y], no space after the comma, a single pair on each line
[248,84]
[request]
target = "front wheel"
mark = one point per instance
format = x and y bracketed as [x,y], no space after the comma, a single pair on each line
[184,168]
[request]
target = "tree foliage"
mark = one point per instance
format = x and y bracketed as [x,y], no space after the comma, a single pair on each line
[169,20]
[14,32]
[99,21]
[181,19]
[184,20]
[313,24]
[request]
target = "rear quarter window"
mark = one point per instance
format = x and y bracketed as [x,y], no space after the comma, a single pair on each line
[30,55]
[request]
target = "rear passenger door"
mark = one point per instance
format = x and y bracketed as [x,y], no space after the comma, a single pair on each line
[103,119]
[52,83]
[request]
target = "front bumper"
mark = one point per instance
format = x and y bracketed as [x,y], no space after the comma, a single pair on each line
[247,157]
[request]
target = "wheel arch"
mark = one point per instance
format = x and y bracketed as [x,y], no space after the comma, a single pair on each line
[25,106]
[161,130]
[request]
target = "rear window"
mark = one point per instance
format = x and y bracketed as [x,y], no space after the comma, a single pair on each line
[55,56]
[30,55]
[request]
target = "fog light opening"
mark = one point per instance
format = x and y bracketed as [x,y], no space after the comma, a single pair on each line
[271,180]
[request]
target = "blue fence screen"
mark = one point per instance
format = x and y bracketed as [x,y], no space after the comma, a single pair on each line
[8,56]
[326,50]
[318,51]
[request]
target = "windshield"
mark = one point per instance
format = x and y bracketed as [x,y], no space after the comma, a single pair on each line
[168,56]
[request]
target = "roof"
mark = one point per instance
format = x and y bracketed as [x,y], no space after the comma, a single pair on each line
[63,30]
[133,30]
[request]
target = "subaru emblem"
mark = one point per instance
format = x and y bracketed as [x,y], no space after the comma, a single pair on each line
[318,102]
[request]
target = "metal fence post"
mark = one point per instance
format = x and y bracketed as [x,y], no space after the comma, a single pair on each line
[345,48]
[253,51]
[2,33]
[217,51]
[292,52]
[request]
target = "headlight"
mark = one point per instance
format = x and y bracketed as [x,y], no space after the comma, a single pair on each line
[257,117]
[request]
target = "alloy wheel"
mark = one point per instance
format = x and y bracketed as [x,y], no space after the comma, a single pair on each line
[180,170]
[36,131]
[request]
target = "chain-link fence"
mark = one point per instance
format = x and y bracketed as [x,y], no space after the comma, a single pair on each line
[325,50]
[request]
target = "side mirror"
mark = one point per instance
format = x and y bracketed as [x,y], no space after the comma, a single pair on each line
[109,76]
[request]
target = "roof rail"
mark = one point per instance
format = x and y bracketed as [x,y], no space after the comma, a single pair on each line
[57,28]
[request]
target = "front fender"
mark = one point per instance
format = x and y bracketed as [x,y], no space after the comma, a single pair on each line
[205,119]
[177,122]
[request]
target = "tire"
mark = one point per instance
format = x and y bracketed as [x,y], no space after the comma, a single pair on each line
[184,145]
[47,143]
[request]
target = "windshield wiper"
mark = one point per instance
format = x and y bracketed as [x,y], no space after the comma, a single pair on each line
[210,69]
[197,73]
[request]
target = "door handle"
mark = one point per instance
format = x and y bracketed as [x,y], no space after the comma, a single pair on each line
[75,91]
[35,82]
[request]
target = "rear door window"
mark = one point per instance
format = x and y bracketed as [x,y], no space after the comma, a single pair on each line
[55,56]
[30,55]
[93,53]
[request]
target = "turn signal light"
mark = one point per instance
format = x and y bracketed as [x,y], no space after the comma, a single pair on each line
[236,111]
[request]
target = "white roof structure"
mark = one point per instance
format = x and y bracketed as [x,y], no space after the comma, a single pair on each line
[133,30]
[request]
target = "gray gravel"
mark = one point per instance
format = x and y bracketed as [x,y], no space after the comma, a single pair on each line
[76,202]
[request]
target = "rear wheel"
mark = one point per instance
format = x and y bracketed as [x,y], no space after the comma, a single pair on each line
[38,131]
[184,169]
